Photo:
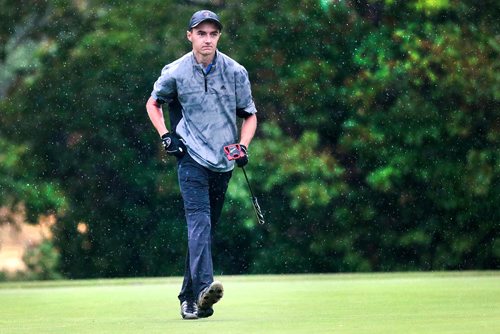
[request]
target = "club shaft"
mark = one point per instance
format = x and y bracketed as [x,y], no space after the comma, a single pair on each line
[256,206]
[248,182]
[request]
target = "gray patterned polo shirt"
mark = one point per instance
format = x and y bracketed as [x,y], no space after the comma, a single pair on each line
[209,103]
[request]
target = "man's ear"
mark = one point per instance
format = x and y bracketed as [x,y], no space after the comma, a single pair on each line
[188,35]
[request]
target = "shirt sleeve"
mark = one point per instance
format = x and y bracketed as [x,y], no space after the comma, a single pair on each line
[245,105]
[164,89]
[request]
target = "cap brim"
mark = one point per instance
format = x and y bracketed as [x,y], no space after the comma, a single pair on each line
[194,25]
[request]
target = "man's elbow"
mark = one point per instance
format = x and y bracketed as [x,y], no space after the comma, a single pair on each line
[252,118]
[152,103]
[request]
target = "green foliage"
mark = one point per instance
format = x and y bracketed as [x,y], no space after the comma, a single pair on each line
[42,261]
[19,186]
[377,146]
[423,118]
[88,106]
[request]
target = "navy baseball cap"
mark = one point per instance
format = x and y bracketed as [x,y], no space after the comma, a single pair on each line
[202,16]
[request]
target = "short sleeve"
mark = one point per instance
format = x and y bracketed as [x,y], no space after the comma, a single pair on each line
[244,102]
[164,89]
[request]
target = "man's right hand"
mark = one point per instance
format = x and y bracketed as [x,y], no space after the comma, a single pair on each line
[173,145]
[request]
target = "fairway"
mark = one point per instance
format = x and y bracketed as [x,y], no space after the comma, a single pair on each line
[339,303]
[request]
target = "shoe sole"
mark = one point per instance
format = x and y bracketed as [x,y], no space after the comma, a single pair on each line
[189,316]
[205,313]
[211,296]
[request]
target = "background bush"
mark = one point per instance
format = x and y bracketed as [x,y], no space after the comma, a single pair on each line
[377,149]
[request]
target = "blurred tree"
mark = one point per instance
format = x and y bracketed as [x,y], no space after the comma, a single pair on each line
[377,150]
[93,137]
[392,91]
[302,62]
[425,106]
[42,261]
[20,189]
[22,32]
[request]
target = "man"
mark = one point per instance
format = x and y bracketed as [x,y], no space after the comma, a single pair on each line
[206,91]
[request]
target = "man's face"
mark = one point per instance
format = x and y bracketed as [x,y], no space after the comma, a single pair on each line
[204,38]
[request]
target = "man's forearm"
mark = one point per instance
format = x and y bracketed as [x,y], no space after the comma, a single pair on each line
[248,128]
[155,114]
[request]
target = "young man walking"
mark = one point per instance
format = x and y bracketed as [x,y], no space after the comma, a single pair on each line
[206,91]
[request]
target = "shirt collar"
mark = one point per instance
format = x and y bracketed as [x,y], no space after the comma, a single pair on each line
[197,65]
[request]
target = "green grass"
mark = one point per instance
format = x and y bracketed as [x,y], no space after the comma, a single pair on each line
[343,303]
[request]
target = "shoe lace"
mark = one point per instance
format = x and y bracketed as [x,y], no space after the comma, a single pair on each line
[189,307]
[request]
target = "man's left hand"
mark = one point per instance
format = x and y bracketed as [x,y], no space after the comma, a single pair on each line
[243,159]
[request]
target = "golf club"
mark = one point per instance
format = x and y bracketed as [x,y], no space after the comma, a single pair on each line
[234,152]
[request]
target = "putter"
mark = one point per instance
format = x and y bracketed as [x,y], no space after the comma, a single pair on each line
[234,152]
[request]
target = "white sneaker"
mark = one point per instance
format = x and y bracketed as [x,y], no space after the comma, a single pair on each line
[189,310]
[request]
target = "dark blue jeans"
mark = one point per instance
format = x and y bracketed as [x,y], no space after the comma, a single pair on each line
[203,192]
